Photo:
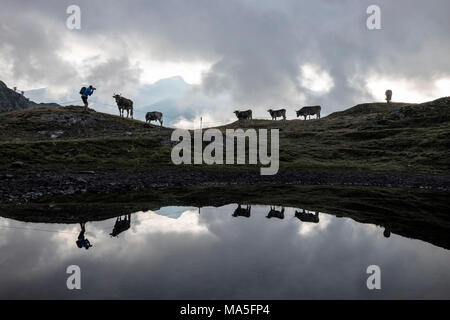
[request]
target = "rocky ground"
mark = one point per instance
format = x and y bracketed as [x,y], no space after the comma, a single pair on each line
[22,186]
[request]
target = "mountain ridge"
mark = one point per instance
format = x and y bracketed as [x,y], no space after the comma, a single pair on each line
[11,100]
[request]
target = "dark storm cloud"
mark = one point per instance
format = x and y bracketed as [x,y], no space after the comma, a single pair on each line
[256,47]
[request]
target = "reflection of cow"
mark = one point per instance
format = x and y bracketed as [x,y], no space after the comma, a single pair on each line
[307,216]
[242,212]
[121,225]
[275,213]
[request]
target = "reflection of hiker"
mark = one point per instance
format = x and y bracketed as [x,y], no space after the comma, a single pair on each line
[82,242]
[85,93]
[121,225]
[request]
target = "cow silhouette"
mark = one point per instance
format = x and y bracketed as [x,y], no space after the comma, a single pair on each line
[275,213]
[388,96]
[242,212]
[121,225]
[307,216]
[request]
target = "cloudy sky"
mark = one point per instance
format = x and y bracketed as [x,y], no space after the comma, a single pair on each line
[219,56]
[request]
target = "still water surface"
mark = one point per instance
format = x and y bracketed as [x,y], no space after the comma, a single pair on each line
[219,253]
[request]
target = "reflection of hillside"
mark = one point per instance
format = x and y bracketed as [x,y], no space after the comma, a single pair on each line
[418,214]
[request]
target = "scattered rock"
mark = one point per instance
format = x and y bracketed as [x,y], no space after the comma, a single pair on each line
[87,172]
[56,134]
[18,164]
[398,112]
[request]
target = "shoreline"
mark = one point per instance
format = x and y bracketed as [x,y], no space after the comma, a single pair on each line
[413,213]
[28,186]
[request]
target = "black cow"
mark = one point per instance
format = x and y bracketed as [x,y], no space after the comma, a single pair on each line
[277,113]
[244,115]
[309,111]
[154,116]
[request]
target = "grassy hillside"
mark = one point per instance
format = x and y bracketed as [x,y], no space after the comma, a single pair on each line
[56,138]
[377,137]
[370,137]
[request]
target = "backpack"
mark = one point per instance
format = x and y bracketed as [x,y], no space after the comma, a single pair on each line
[83,90]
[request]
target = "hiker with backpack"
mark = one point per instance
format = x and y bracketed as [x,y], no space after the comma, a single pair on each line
[85,93]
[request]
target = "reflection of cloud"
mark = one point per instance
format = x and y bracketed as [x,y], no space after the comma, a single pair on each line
[188,222]
[216,256]
[173,212]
